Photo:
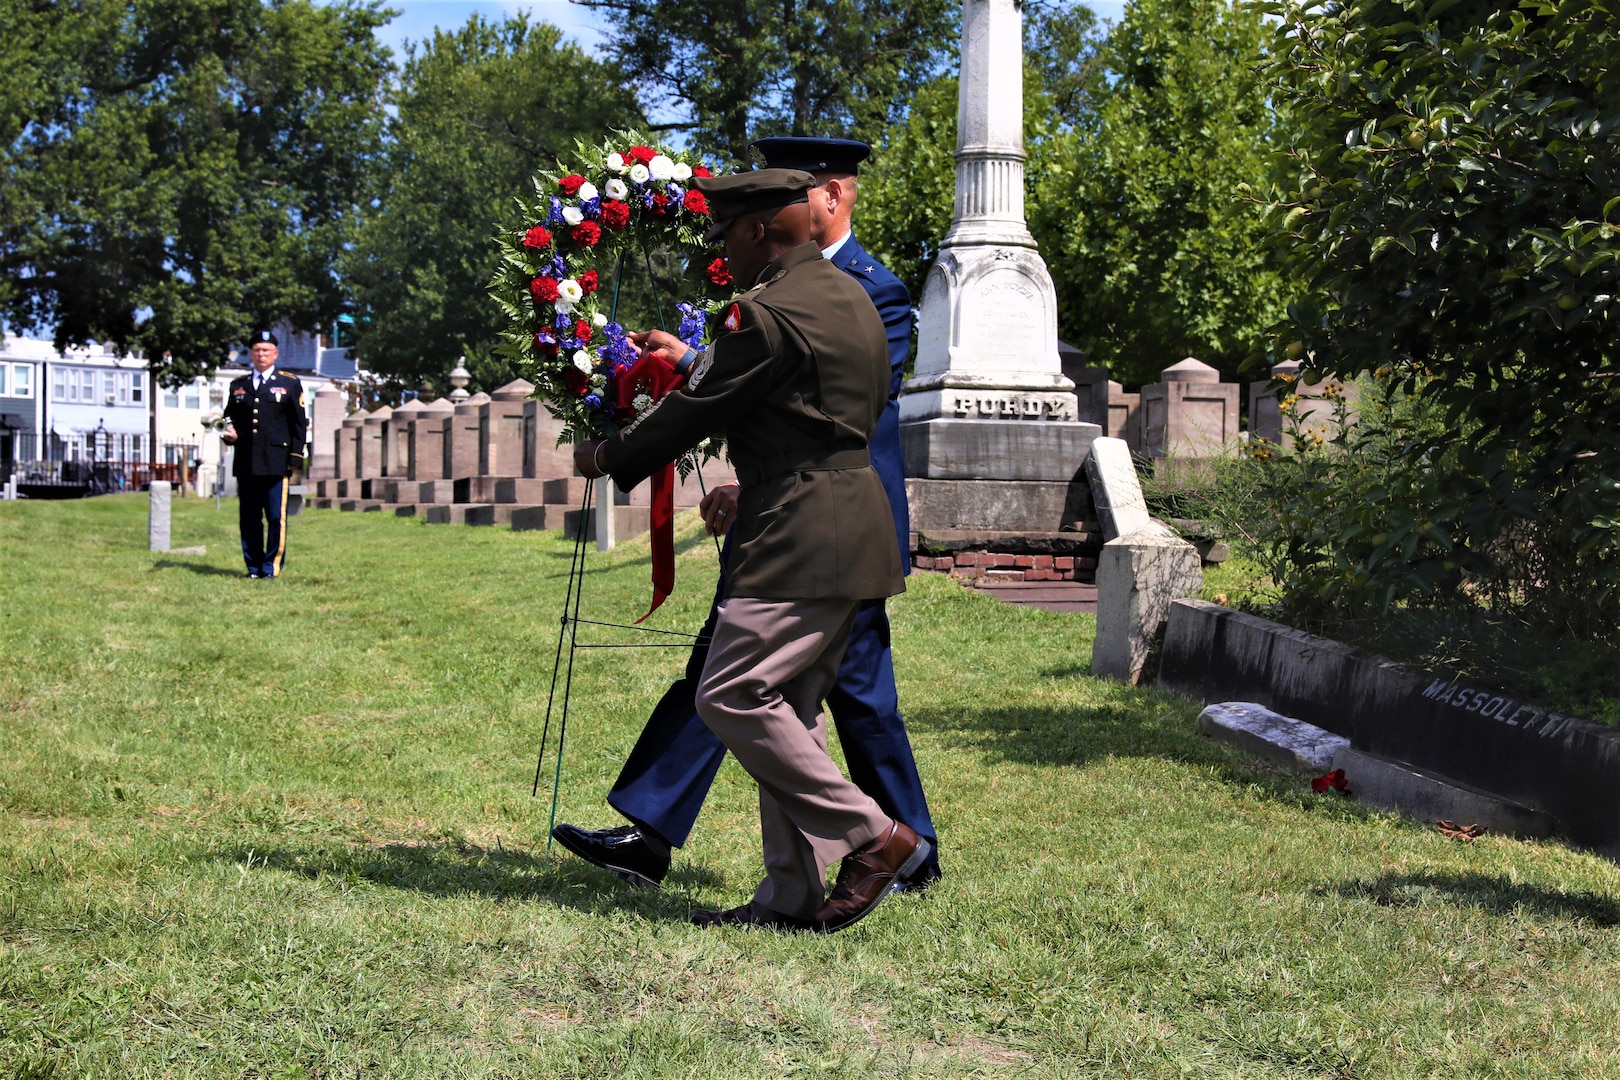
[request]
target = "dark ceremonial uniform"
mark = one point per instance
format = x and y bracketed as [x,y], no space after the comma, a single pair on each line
[271,428]
[674,762]
[797,379]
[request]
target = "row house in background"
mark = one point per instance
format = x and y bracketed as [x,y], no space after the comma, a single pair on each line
[21,404]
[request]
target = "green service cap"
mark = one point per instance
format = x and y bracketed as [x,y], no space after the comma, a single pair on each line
[730,197]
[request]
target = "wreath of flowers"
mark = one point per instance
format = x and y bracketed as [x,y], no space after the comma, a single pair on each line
[611,202]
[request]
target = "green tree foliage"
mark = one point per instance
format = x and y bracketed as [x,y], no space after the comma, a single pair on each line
[176,171]
[1138,199]
[734,70]
[1449,212]
[479,112]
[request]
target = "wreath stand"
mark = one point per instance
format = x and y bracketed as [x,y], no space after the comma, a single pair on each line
[570,621]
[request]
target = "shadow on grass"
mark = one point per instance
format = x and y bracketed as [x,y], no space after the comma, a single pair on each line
[197,568]
[1121,722]
[461,869]
[1492,893]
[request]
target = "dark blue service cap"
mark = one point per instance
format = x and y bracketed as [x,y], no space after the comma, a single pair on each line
[263,337]
[811,155]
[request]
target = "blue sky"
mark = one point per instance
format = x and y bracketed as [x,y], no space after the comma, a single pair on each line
[419,17]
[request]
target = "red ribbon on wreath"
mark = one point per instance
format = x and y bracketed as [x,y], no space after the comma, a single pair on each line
[655,376]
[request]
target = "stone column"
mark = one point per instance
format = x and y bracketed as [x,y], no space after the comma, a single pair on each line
[543,459]
[369,446]
[347,446]
[989,400]
[1190,414]
[461,446]
[327,415]
[500,430]
[397,440]
[426,453]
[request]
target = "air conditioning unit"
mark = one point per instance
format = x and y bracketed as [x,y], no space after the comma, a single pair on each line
[110,398]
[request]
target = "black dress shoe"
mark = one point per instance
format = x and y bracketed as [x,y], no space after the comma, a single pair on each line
[750,914]
[626,851]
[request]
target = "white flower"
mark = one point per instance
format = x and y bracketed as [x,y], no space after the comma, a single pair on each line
[582,360]
[615,161]
[598,382]
[681,172]
[641,402]
[599,320]
[564,307]
[617,189]
[661,168]
[639,174]
[587,191]
[570,290]
[573,215]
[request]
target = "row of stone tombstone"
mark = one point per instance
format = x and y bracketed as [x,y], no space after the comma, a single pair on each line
[493,459]
[1191,414]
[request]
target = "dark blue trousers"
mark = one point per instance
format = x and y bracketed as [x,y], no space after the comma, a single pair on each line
[674,762]
[262,514]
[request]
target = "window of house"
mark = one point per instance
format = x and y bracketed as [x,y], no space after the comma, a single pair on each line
[3,380]
[22,380]
[193,397]
[171,399]
[137,387]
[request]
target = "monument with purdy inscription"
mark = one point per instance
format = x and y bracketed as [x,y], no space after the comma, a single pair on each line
[989,403]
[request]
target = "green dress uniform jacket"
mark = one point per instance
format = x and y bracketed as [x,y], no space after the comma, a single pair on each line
[796,378]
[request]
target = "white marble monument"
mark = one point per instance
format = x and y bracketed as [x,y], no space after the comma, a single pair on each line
[989,400]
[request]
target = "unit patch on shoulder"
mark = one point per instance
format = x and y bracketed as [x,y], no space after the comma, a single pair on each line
[733,319]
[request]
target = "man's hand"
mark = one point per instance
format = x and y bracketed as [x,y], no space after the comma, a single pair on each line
[719,509]
[660,343]
[585,458]
[229,434]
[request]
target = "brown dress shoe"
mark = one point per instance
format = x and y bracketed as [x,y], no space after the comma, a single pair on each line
[866,876]
[749,914]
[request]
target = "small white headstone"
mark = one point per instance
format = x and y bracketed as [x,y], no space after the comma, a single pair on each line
[157,522]
[604,513]
[1115,490]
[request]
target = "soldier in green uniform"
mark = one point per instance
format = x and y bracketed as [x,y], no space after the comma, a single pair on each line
[796,379]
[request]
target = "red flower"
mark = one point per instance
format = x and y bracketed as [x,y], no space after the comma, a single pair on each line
[537,237]
[695,202]
[1334,780]
[660,204]
[586,233]
[699,170]
[719,272]
[548,348]
[570,183]
[543,289]
[615,215]
[588,281]
[582,329]
[640,155]
[575,380]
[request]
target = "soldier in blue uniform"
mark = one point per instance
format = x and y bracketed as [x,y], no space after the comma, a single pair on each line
[268,427]
[673,764]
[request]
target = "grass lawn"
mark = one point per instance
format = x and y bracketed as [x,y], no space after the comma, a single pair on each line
[284,829]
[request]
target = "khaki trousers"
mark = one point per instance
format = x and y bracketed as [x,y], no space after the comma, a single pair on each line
[770,664]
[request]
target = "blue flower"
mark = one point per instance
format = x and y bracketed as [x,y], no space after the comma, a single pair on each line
[593,400]
[591,208]
[555,217]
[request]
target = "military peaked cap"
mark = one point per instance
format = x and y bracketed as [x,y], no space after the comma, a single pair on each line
[811,155]
[730,197]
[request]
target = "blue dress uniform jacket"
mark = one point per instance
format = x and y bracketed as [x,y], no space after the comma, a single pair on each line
[673,764]
[271,425]
[271,428]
